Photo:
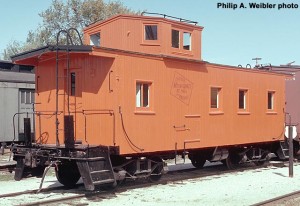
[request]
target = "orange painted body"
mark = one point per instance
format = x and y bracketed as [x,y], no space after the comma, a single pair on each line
[178,115]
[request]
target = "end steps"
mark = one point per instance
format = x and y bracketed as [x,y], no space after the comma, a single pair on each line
[283,150]
[96,171]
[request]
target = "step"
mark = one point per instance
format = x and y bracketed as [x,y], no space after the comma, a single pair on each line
[258,157]
[100,182]
[99,172]
[91,159]
[142,172]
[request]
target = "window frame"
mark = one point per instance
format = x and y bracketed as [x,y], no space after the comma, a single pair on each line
[214,103]
[93,41]
[245,99]
[219,108]
[172,42]
[27,96]
[144,41]
[141,107]
[184,41]
[145,32]
[181,41]
[273,98]
[72,84]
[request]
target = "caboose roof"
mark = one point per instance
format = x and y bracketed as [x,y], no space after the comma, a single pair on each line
[31,57]
[16,77]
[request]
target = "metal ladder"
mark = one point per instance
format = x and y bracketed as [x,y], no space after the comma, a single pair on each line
[67,49]
[283,150]
[96,171]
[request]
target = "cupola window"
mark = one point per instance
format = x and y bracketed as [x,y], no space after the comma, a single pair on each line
[95,39]
[175,38]
[150,32]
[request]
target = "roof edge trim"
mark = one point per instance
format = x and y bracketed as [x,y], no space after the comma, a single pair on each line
[50,48]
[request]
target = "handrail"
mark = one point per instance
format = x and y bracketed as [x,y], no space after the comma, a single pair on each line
[85,113]
[173,17]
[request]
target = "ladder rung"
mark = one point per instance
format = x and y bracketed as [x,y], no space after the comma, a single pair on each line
[100,171]
[104,181]
[142,172]
[91,159]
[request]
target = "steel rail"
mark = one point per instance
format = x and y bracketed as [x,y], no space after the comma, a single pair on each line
[14,194]
[54,200]
[276,199]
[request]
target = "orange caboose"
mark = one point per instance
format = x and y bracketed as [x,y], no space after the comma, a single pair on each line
[139,92]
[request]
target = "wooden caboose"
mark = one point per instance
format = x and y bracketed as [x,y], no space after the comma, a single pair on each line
[138,92]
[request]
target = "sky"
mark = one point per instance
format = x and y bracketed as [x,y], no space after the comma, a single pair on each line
[230,36]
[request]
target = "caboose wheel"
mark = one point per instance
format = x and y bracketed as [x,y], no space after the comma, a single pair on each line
[157,167]
[67,173]
[198,159]
[233,160]
[198,162]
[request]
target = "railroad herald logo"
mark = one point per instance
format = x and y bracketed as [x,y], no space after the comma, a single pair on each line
[182,88]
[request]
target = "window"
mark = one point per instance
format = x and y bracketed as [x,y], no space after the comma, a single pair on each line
[95,39]
[271,100]
[150,32]
[32,97]
[73,83]
[186,40]
[181,39]
[27,96]
[142,94]
[175,38]
[23,93]
[214,98]
[242,99]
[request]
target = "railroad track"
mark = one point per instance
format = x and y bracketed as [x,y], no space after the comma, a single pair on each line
[287,199]
[79,192]
[8,168]
[55,200]
[35,191]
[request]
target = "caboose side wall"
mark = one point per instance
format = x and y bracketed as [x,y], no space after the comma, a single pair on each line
[172,121]
[247,125]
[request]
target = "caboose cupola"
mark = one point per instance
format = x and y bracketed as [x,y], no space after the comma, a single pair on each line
[151,35]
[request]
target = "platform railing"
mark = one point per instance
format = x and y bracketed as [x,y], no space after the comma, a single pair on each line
[53,114]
